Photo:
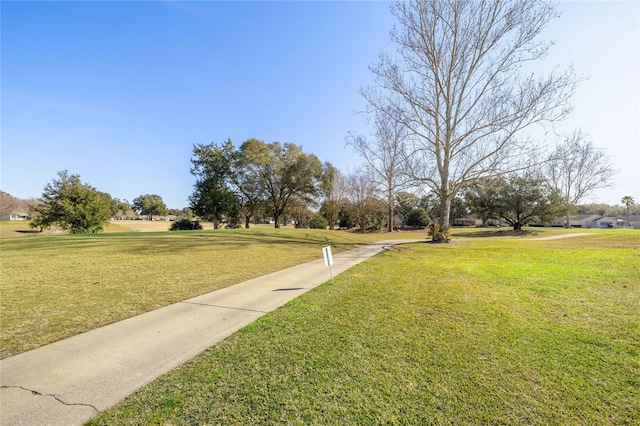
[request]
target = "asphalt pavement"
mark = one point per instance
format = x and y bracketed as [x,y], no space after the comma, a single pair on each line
[70,381]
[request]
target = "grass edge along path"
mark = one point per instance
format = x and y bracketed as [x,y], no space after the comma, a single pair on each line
[57,286]
[481,332]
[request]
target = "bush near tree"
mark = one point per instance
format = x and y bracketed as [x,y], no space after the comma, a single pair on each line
[346,218]
[418,218]
[318,222]
[185,225]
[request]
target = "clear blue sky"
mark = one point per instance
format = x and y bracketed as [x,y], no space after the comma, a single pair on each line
[119,91]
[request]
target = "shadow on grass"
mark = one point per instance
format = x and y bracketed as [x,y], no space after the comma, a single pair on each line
[164,243]
[497,233]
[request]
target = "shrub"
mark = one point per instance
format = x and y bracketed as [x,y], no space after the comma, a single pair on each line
[185,225]
[318,222]
[439,235]
[418,218]
[346,219]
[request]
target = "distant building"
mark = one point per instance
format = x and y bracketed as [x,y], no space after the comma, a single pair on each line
[18,214]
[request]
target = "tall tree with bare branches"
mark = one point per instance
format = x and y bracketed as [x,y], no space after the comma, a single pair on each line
[361,194]
[335,196]
[577,168]
[459,88]
[385,156]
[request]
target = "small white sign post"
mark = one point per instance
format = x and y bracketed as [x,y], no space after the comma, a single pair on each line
[328,260]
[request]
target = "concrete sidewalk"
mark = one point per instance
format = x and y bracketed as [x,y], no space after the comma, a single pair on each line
[73,380]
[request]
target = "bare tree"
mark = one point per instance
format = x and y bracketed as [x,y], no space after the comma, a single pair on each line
[577,168]
[459,89]
[361,193]
[385,157]
[298,210]
[335,197]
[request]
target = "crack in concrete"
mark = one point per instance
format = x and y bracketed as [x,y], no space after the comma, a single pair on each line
[56,397]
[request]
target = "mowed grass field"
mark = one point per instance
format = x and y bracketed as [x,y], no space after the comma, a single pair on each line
[481,331]
[494,328]
[56,286]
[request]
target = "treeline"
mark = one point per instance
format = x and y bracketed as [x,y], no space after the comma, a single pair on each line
[279,183]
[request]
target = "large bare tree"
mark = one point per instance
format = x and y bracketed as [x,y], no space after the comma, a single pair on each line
[577,168]
[385,156]
[459,88]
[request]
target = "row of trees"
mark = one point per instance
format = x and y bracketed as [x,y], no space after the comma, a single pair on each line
[278,177]
[347,201]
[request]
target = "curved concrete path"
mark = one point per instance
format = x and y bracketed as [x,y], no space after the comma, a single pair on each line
[70,381]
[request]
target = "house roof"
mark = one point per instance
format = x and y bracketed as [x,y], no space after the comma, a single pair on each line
[585,217]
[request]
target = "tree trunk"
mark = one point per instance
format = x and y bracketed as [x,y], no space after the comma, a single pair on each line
[215,222]
[276,218]
[517,226]
[390,225]
[445,211]
[247,221]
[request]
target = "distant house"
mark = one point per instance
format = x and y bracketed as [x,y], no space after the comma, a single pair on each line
[634,221]
[15,215]
[471,220]
[578,221]
[585,220]
[609,222]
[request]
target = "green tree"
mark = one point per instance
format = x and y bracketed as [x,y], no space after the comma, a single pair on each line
[405,203]
[284,171]
[149,205]
[248,186]
[73,206]
[347,216]
[212,196]
[418,218]
[515,199]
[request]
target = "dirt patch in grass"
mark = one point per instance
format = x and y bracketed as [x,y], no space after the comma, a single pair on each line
[14,228]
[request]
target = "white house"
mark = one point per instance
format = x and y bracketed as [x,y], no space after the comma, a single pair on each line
[15,215]
[609,222]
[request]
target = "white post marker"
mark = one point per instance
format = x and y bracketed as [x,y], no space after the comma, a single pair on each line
[328,260]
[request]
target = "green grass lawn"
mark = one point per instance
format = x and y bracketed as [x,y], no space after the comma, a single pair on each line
[481,331]
[56,286]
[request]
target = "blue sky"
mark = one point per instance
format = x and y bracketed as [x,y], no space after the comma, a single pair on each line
[119,91]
